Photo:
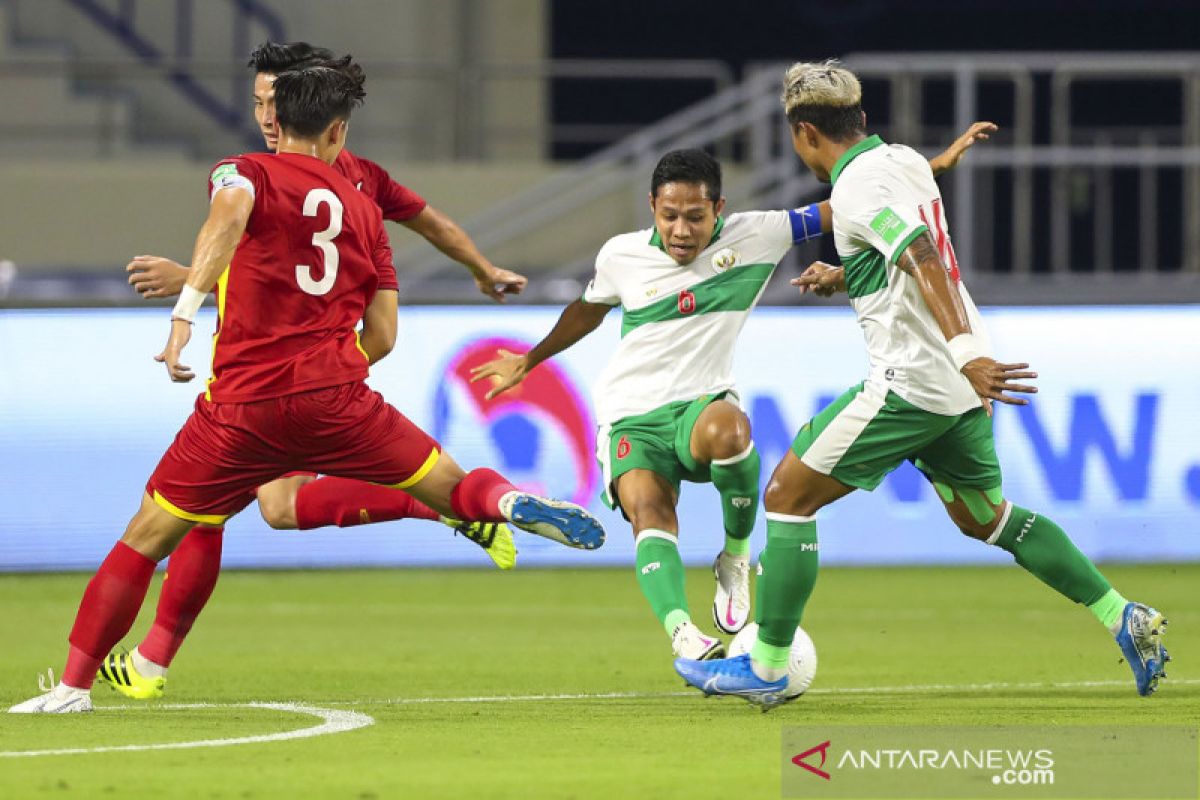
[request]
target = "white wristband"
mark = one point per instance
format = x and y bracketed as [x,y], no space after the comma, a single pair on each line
[188,304]
[965,348]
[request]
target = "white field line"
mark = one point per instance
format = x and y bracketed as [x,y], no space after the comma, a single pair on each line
[931,688]
[333,721]
[342,721]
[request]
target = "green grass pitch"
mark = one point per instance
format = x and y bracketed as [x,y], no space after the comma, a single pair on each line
[407,648]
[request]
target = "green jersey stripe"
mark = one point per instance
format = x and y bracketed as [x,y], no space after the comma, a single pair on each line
[866,273]
[733,290]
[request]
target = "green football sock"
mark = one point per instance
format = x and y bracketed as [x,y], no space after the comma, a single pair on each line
[788,574]
[737,480]
[1109,610]
[660,575]
[1044,551]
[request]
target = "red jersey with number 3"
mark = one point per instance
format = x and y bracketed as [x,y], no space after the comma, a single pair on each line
[312,257]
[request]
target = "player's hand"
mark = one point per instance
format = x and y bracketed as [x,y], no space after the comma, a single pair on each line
[181,334]
[506,372]
[948,159]
[155,276]
[500,282]
[991,379]
[823,280]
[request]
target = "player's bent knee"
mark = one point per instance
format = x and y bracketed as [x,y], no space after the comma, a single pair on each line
[727,441]
[277,512]
[781,499]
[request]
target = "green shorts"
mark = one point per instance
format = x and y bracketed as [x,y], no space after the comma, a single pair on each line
[863,436]
[659,440]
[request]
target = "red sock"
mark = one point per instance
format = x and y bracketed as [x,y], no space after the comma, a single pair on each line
[191,575]
[345,502]
[110,605]
[477,496]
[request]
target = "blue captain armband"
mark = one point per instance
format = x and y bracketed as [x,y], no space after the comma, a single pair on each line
[806,222]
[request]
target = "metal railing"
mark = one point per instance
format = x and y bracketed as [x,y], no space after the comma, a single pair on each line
[1026,208]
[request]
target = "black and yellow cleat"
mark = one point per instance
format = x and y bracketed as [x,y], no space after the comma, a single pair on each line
[118,672]
[495,538]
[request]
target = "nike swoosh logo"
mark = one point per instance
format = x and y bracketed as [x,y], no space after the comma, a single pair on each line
[75,701]
[712,685]
[729,620]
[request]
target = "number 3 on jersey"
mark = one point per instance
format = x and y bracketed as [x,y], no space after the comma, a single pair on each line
[323,241]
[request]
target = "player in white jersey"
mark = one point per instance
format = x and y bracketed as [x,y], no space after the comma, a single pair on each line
[666,403]
[927,397]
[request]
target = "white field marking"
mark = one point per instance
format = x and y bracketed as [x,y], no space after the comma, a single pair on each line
[333,722]
[930,688]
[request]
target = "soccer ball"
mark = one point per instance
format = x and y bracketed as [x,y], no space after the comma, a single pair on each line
[802,665]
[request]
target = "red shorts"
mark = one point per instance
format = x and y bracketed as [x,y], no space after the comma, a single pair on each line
[226,450]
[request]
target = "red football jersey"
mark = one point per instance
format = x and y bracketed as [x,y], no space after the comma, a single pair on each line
[312,257]
[398,203]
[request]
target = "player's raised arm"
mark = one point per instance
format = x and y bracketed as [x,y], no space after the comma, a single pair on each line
[576,321]
[445,234]
[948,159]
[989,378]
[218,238]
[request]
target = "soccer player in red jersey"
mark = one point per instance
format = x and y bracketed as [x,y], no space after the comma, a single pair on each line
[299,500]
[298,256]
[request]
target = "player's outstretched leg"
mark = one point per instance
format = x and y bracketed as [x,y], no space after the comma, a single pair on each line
[191,576]
[1045,551]
[487,496]
[344,502]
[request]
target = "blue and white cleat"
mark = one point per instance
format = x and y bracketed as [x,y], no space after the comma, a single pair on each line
[557,520]
[733,676]
[1140,639]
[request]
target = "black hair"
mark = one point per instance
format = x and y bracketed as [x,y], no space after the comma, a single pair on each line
[307,100]
[688,166]
[839,123]
[277,57]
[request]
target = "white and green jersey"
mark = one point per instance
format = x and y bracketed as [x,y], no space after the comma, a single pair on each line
[884,196]
[681,322]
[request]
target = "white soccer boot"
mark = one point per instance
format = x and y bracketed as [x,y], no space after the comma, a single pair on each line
[61,699]
[731,602]
[689,642]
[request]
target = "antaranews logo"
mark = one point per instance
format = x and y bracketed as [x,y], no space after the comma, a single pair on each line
[799,761]
[1051,761]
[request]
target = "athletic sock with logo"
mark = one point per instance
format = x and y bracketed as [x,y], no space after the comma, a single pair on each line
[736,479]
[660,575]
[345,502]
[787,574]
[1044,551]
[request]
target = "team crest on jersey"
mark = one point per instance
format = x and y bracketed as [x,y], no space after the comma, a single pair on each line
[724,259]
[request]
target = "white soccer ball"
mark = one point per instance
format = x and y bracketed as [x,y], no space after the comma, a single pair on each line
[802,664]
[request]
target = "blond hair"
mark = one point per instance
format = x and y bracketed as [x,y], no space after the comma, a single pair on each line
[824,84]
[825,94]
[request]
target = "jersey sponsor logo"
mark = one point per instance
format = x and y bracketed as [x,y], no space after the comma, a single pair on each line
[623,447]
[724,259]
[222,171]
[888,225]
[540,434]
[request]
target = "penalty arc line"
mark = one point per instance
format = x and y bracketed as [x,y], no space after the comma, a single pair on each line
[333,721]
